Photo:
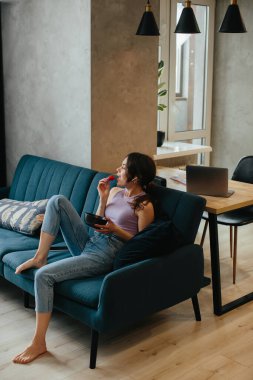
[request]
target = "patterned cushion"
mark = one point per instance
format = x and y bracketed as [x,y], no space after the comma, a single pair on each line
[21,216]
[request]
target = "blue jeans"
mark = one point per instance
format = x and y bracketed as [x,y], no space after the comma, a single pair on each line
[91,256]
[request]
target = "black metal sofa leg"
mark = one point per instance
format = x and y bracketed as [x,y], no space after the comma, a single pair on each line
[93,349]
[195,304]
[26,300]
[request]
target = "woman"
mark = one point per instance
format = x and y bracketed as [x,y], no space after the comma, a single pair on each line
[128,210]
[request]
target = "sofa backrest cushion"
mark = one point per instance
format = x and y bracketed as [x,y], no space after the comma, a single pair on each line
[183,209]
[39,178]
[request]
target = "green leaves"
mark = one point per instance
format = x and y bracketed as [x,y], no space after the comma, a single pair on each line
[160,68]
[161,107]
[161,92]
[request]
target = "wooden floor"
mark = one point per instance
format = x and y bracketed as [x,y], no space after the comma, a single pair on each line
[169,345]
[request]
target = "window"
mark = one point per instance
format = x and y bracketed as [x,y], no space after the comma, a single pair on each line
[188,71]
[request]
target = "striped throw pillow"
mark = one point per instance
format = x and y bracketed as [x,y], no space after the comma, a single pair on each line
[21,216]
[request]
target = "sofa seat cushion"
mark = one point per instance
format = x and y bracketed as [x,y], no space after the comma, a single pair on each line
[84,290]
[13,241]
[14,259]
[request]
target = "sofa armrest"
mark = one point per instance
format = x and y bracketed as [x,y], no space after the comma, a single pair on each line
[4,192]
[131,293]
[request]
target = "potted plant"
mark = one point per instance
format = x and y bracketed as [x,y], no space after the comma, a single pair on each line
[161,106]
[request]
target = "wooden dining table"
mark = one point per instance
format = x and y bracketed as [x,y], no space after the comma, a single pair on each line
[242,197]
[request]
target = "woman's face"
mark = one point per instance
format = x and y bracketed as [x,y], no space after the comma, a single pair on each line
[122,173]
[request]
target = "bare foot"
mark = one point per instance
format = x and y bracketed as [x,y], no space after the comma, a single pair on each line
[30,353]
[35,262]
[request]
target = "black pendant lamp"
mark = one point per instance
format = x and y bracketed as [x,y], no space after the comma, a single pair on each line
[148,26]
[187,23]
[233,22]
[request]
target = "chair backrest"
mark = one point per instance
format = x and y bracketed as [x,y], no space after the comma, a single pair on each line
[160,181]
[244,170]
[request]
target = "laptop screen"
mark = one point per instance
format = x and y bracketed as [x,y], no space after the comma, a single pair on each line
[207,180]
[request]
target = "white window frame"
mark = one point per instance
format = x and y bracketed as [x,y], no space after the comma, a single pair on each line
[168,9]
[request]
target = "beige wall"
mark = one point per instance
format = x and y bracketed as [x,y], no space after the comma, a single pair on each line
[50,49]
[124,83]
[232,120]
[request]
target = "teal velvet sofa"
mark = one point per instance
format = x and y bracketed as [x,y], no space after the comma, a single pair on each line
[126,295]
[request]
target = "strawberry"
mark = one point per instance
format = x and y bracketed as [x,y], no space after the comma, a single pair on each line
[110,178]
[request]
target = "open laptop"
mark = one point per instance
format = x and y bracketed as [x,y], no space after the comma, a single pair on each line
[207,180]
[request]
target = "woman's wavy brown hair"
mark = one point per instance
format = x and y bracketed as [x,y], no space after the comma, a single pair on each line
[143,167]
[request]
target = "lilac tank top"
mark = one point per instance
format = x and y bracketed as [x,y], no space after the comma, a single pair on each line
[119,210]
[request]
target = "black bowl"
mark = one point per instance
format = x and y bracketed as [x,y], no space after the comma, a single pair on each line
[92,219]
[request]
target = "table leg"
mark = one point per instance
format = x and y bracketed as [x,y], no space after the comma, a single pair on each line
[218,308]
[215,264]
